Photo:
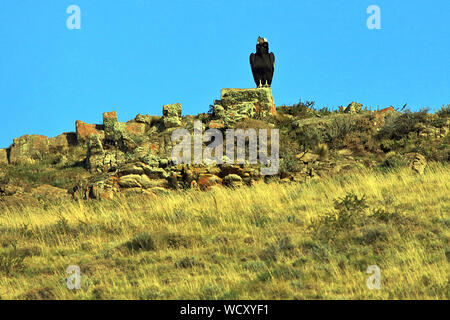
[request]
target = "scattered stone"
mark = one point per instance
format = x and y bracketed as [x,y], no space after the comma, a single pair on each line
[155,173]
[232,181]
[131,168]
[345,152]
[206,181]
[353,107]
[417,162]
[133,181]
[50,192]
[308,157]
[159,191]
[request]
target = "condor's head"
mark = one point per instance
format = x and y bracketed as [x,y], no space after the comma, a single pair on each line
[262,46]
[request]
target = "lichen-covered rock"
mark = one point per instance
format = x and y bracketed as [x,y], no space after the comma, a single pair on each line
[308,157]
[135,128]
[145,154]
[236,104]
[353,107]
[130,181]
[62,142]
[4,156]
[172,115]
[159,191]
[417,162]
[232,181]
[50,192]
[155,173]
[125,136]
[227,169]
[160,183]
[84,130]
[28,149]
[136,181]
[131,168]
[206,181]
[113,128]
[95,154]
[147,119]
[98,186]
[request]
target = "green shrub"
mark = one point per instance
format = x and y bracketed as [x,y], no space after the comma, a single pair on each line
[288,162]
[308,137]
[143,241]
[444,112]
[12,262]
[349,212]
[188,262]
[393,161]
[338,129]
[397,127]
[300,110]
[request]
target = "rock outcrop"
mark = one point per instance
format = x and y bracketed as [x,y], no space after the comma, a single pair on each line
[4,156]
[353,107]
[172,115]
[28,149]
[134,157]
[237,104]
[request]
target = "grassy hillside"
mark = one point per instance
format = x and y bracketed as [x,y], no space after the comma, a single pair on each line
[280,241]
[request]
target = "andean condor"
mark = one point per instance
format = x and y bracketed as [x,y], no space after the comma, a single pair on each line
[262,63]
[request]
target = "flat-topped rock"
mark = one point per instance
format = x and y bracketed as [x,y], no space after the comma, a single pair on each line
[236,104]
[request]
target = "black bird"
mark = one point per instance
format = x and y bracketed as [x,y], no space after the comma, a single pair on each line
[262,63]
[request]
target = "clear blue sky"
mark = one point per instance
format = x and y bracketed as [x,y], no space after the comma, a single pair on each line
[134,56]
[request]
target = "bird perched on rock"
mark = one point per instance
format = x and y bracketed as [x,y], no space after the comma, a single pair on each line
[262,63]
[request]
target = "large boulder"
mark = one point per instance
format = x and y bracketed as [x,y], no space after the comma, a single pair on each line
[136,181]
[353,107]
[28,149]
[98,186]
[95,154]
[232,181]
[172,115]
[113,128]
[236,104]
[85,130]
[126,136]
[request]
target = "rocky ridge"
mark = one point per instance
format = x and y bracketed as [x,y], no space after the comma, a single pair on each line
[135,156]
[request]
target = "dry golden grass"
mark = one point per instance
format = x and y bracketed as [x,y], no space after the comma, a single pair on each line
[272,241]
